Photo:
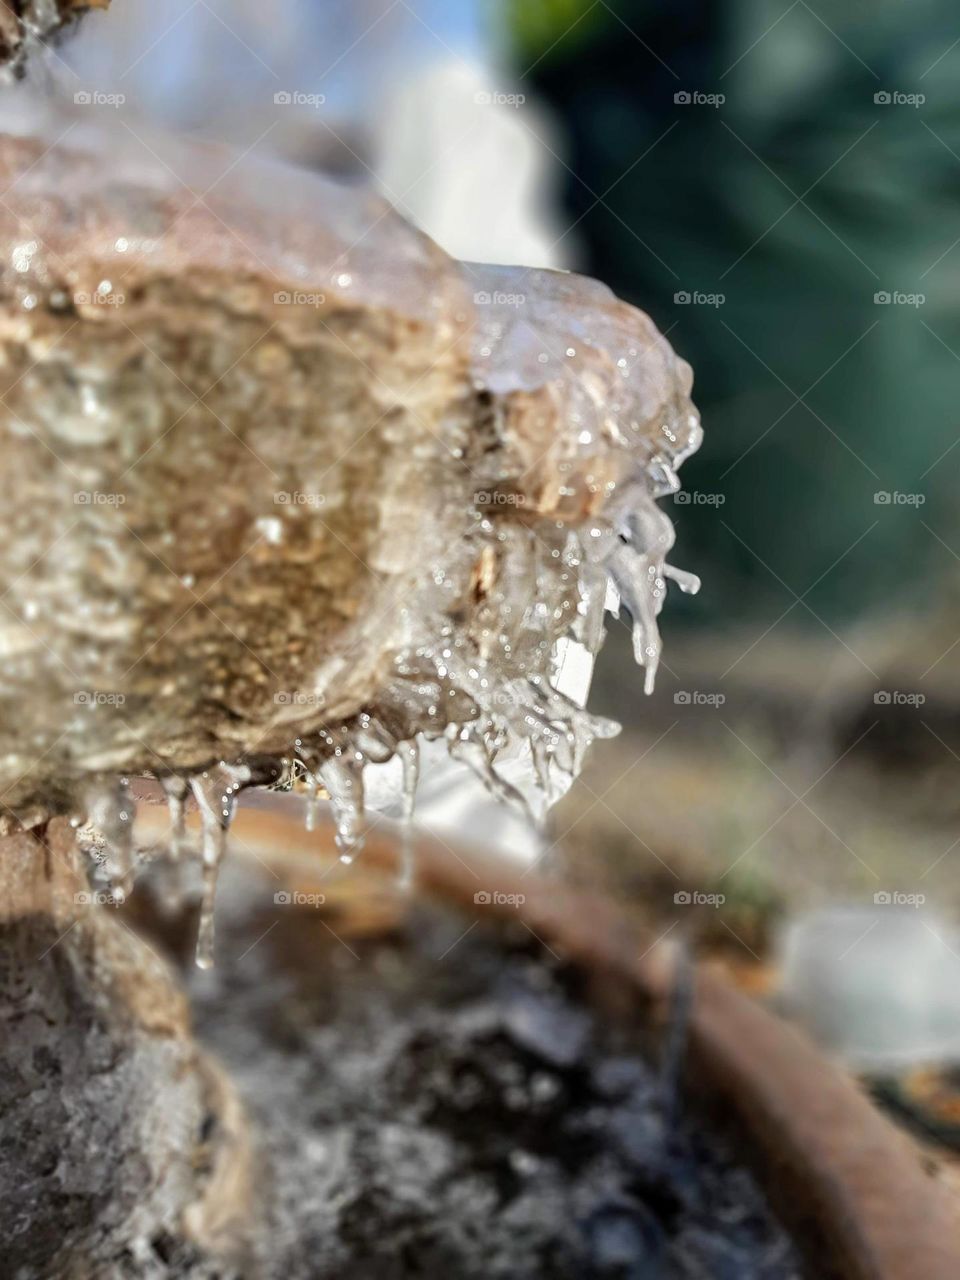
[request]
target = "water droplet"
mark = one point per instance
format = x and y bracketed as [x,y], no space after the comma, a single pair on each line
[342,775]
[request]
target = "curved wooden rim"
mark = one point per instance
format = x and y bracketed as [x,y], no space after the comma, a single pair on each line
[851,1187]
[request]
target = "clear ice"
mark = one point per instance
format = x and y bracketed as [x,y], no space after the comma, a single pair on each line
[285,502]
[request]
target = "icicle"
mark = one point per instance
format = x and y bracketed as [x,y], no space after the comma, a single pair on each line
[342,775]
[588,628]
[688,582]
[303,779]
[216,796]
[176,790]
[310,815]
[373,740]
[410,760]
[559,709]
[468,747]
[642,589]
[542,755]
[170,883]
[663,478]
[111,809]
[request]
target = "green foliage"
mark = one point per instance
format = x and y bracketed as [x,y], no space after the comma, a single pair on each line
[798,199]
[536,25]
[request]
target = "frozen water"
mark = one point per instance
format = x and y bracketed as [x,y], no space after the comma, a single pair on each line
[285,501]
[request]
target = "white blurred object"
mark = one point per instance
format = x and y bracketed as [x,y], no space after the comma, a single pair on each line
[879,985]
[473,163]
[215,65]
[470,162]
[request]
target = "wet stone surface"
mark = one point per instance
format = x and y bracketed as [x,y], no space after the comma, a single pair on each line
[432,1108]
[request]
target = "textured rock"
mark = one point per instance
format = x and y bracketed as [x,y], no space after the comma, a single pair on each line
[286,487]
[116,1133]
[224,458]
[273,460]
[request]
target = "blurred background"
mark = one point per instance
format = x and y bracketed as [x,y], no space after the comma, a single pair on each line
[776,183]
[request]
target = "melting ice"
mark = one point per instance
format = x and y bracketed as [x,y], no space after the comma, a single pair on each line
[425,492]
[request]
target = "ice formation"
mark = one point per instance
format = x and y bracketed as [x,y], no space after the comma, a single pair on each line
[26,25]
[288,491]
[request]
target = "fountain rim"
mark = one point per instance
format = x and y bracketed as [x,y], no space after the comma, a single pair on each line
[850,1188]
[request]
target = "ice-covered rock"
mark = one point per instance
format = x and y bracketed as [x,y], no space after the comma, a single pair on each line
[287,488]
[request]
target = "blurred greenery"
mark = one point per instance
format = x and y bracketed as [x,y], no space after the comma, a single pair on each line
[798,199]
[537,24]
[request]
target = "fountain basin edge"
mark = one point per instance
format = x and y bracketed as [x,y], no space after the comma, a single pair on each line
[852,1190]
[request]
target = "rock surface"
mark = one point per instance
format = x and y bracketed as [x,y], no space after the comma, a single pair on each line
[117,1134]
[282,479]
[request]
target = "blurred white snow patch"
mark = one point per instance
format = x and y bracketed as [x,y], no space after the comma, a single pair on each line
[473,164]
[877,985]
